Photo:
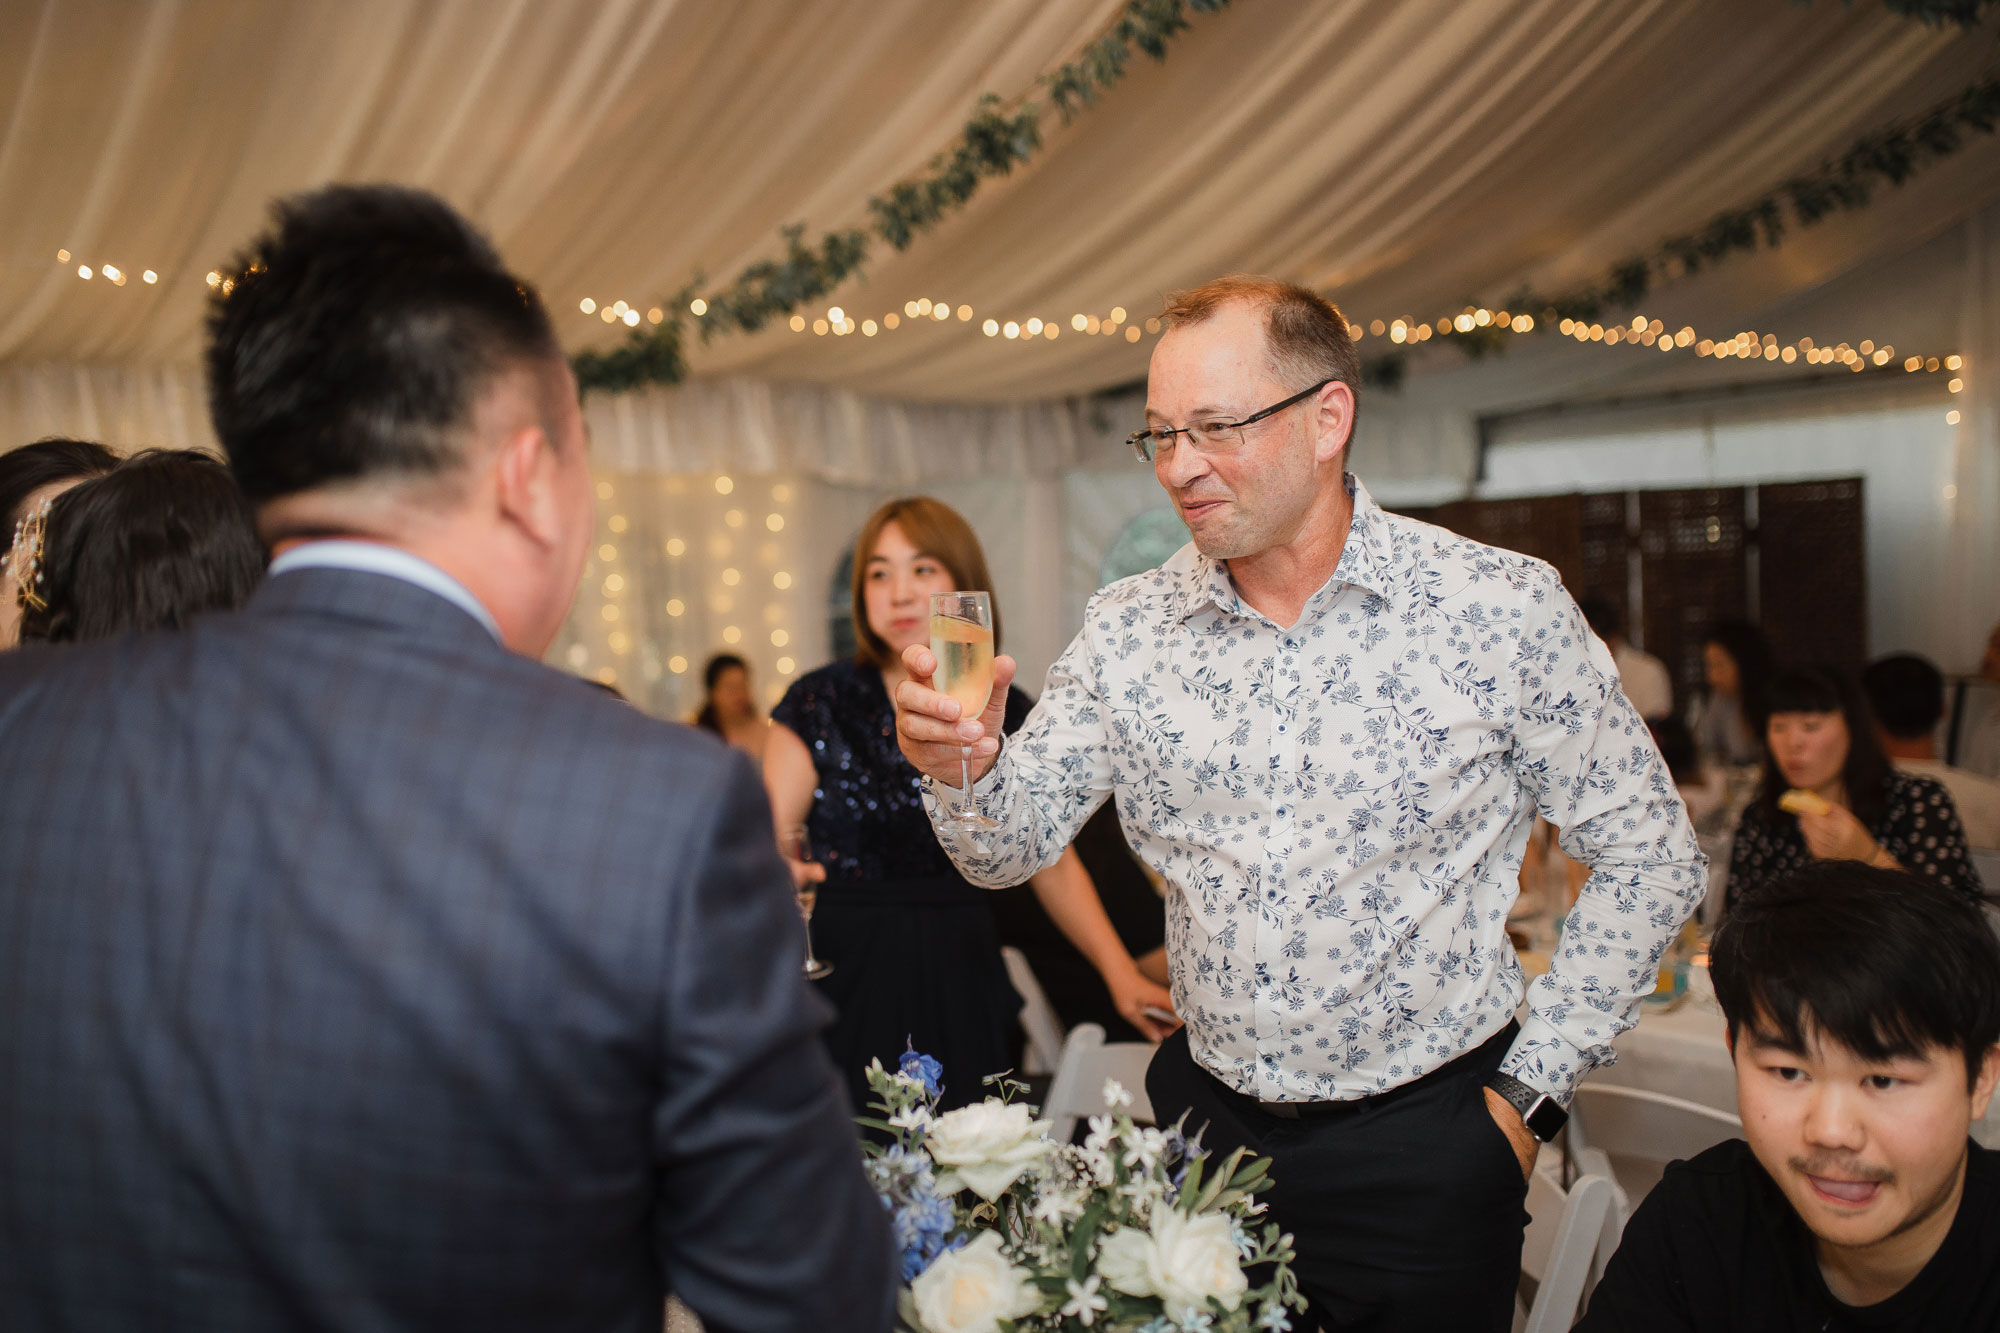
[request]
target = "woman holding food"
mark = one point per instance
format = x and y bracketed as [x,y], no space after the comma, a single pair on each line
[1830,794]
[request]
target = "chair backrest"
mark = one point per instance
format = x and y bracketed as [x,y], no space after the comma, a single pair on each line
[1632,1122]
[1038,1017]
[1087,1061]
[1570,1234]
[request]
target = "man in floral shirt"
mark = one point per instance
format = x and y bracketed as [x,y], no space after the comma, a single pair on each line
[1330,729]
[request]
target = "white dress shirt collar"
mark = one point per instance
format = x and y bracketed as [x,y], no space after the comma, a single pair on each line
[1365,563]
[393,562]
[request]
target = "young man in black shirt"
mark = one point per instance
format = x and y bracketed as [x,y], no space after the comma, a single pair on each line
[1863,1008]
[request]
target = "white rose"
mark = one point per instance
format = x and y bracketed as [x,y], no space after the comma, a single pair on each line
[1123,1261]
[1195,1259]
[1185,1261]
[972,1290]
[986,1147]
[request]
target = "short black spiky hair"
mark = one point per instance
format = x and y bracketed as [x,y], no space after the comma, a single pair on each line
[1884,962]
[352,339]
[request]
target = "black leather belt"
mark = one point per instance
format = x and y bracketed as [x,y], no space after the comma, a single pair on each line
[1330,1110]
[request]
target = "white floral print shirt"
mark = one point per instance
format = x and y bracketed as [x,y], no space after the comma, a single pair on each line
[1339,809]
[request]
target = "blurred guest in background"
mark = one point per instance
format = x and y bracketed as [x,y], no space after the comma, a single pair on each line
[163,538]
[1864,1010]
[1647,682]
[1979,736]
[730,708]
[1829,794]
[30,477]
[915,953]
[1906,693]
[1728,720]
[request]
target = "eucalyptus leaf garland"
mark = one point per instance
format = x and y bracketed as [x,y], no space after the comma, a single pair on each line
[1847,183]
[998,137]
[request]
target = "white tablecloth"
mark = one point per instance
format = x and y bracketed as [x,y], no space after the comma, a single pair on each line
[1684,1054]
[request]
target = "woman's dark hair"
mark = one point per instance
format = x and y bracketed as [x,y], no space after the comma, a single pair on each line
[353,338]
[25,470]
[707,718]
[1884,962]
[1751,651]
[162,539]
[1828,690]
[1677,749]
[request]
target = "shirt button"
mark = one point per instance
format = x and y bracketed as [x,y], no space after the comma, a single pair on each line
[1281,728]
[1281,812]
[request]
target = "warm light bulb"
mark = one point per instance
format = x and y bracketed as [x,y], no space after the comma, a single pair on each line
[775,522]
[586,305]
[868,327]
[1011,329]
[675,606]
[655,315]
[631,318]
[990,327]
[1034,328]
[676,547]
[677,664]
[964,313]
[781,580]
[835,315]
[723,485]
[698,306]
[83,271]
[786,666]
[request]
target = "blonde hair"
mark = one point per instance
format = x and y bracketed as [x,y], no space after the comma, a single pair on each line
[935,529]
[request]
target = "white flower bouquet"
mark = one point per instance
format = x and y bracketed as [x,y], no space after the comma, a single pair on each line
[1003,1229]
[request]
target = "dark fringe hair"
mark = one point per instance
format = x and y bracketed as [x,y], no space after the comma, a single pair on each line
[1884,962]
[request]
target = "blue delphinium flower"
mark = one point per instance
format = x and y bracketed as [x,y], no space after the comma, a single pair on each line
[924,1068]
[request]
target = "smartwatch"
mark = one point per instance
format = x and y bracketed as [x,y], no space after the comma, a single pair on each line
[1542,1114]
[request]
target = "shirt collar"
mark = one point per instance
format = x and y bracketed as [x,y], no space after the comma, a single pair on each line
[1365,563]
[393,562]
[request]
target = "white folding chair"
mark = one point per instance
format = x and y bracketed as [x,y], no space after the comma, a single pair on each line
[1631,1134]
[1570,1236]
[1087,1061]
[1038,1016]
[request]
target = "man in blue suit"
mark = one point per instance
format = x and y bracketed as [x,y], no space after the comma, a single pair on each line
[358,972]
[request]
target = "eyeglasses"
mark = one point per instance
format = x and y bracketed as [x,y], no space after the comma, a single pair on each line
[1212,437]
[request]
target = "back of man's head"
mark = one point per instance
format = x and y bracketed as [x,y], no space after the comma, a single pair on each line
[1907,694]
[350,342]
[1885,963]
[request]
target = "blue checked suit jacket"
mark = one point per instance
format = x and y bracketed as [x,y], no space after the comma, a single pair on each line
[358,974]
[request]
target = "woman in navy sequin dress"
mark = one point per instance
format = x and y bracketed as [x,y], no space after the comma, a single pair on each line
[914,951]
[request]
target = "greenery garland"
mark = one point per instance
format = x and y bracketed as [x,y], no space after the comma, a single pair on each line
[999,137]
[1885,158]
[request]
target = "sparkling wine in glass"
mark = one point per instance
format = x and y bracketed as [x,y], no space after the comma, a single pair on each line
[796,846]
[962,642]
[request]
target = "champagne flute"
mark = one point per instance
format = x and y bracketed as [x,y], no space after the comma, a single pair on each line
[962,642]
[796,846]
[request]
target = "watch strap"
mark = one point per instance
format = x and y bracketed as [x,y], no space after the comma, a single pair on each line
[1542,1114]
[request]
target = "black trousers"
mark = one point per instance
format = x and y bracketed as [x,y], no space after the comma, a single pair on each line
[1406,1209]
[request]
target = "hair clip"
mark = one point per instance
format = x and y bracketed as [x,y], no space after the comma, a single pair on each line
[24,557]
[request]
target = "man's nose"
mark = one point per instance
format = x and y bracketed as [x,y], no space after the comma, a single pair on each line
[1178,464]
[1832,1120]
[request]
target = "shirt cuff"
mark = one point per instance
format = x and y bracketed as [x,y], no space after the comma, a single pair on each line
[1543,1060]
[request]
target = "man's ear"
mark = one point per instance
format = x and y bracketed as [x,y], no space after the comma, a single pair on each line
[1333,421]
[524,473]
[1982,1087]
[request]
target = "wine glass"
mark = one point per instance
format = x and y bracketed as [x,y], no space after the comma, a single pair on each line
[796,846]
[962,642]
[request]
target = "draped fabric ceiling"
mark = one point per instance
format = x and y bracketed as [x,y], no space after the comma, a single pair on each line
[1406,156]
